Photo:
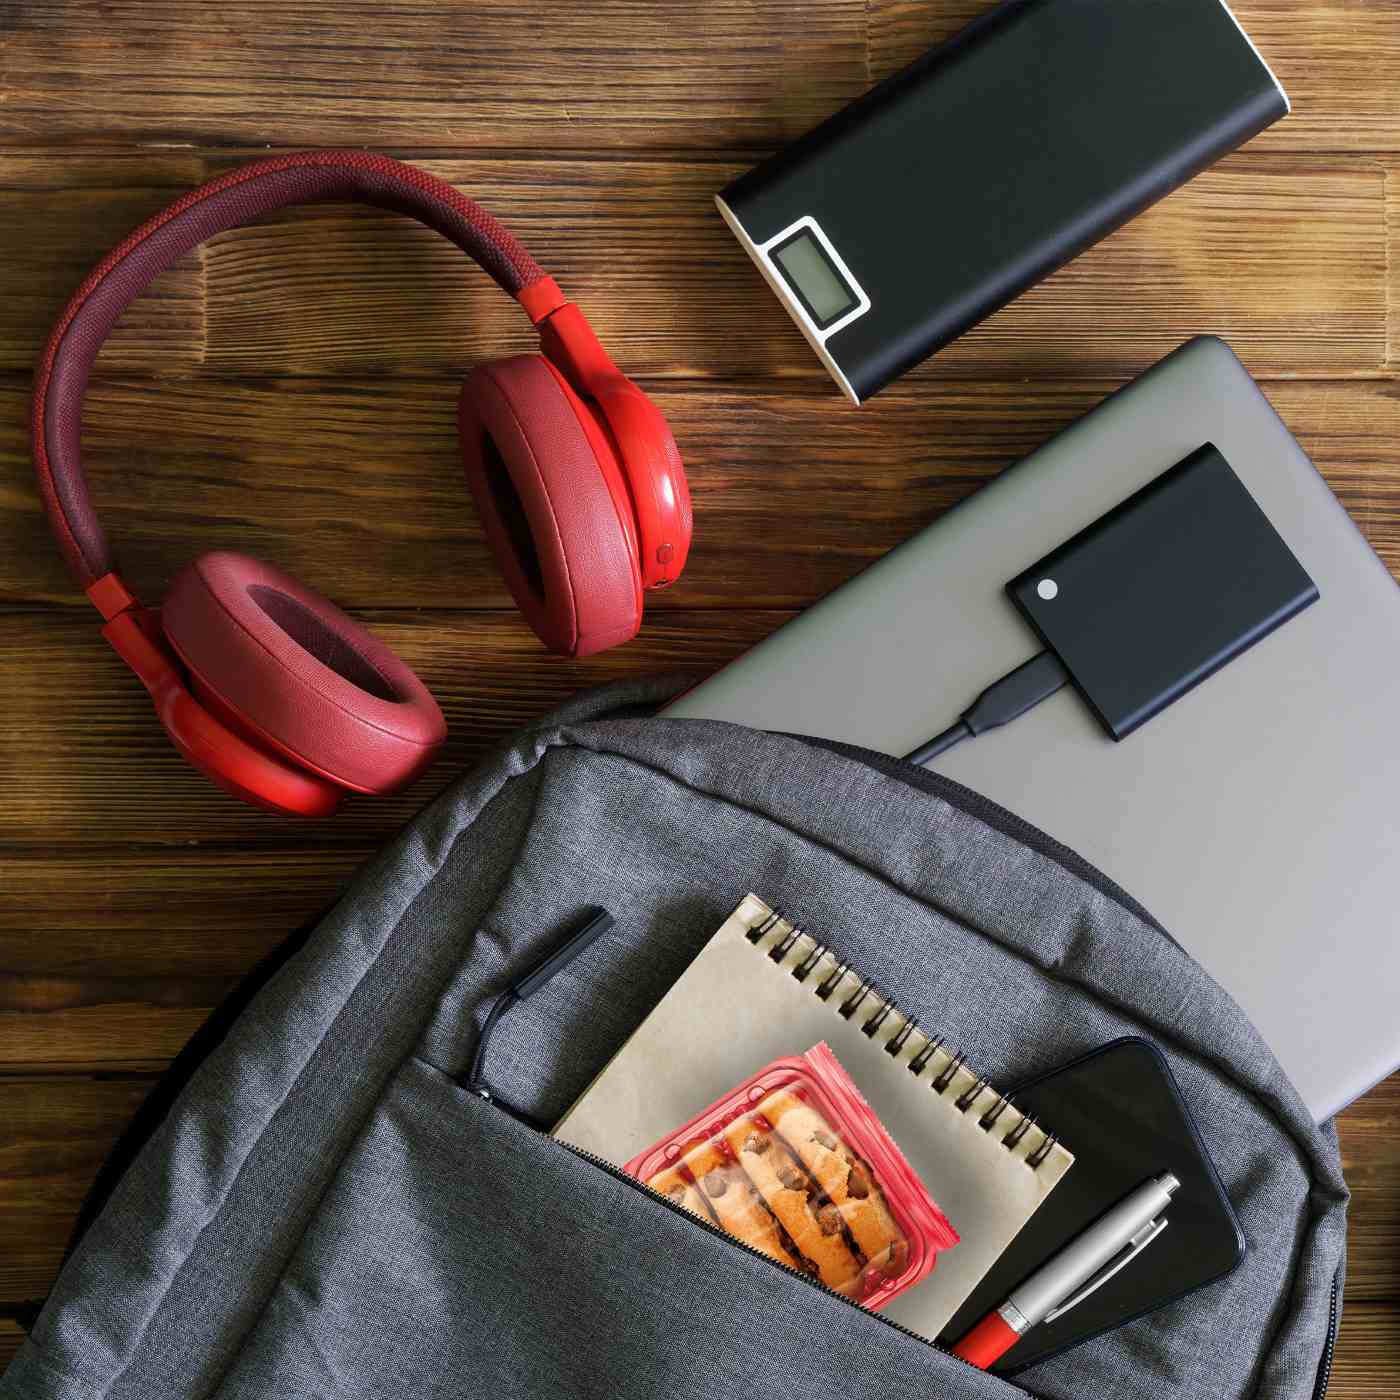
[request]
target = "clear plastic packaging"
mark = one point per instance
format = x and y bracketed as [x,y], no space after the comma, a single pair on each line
[795,1163]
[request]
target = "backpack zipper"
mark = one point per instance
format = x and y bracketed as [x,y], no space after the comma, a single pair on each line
[1324,1370]
[965,799]
[993,814]
[614,1171]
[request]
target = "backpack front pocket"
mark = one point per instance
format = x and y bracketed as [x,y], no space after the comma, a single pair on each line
[460,1253]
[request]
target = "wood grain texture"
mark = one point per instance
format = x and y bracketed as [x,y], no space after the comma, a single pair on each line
[57,218]
[57,1132]
[1392,224]
[335,289]
[1338,60]
[88,763]
[90,975]
[598,77]
[356,486]
[612,76]
[87,916]
[289,391]
[1367,1363]
[1370,1133]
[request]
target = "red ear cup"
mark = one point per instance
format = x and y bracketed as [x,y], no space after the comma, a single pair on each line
[554,504]
[289,672]
[651,463]
[254,774]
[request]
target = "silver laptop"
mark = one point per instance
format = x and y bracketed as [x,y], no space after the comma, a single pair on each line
[1256,818]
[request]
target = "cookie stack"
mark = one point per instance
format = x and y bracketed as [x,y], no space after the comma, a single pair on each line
[783,1180]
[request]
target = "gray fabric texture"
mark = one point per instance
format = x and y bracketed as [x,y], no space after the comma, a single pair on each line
[325,1212]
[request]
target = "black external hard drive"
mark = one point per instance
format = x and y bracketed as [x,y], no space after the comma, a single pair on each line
[946,191]
[1163,591]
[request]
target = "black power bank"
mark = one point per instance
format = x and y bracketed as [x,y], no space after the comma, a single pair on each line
[950,188]
[1163,591]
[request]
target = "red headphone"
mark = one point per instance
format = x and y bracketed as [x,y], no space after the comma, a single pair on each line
[264,685]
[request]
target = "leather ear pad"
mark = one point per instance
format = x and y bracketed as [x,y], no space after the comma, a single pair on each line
[554,504]
[291,671]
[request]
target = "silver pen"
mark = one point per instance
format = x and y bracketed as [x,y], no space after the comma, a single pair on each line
[1079,1269]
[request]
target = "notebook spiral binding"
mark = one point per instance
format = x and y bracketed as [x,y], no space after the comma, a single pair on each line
[879,1010]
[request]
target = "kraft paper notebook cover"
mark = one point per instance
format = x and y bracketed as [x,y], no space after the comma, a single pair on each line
[736,1008]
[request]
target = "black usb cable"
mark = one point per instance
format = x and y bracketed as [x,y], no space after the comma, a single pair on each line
[1009,698]
[598,923]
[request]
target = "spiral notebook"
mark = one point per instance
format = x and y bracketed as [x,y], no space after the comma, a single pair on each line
[762,989]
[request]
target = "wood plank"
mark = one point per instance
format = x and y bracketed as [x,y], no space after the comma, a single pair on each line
[120,1029]
[115,957]
[57,1132]
[902,30]
[1339,61]
[736,74]
[164,913]
[1392,224]
[1366,1364]
[87,764]
[490,73]
[57,218]
[1370,1138]
[640,247]
[357,488]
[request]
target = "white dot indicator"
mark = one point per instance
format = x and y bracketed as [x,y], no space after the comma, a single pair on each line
[1048,589]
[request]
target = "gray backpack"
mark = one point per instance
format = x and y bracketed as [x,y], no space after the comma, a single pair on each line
[321,1209]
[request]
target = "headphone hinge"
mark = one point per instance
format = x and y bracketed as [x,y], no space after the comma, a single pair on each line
[573,347]
[110,595]
[541,299]
[136,636]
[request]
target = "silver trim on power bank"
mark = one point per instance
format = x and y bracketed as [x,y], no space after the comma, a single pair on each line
[816,338]
[1287,101]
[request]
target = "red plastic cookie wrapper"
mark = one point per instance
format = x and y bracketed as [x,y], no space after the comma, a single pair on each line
[795,1163]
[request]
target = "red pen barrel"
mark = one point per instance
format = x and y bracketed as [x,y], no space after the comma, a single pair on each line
[988,1342]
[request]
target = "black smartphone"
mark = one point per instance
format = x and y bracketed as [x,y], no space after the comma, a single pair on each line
[1119,1110]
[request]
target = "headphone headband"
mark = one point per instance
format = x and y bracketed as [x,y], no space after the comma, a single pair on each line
[222,204]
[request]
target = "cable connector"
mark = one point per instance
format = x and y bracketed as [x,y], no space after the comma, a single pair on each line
[1007,699]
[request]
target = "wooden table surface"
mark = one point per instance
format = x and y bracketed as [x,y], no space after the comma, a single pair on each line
[288,391]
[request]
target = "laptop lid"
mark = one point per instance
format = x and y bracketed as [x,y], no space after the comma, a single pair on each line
[1256,817]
